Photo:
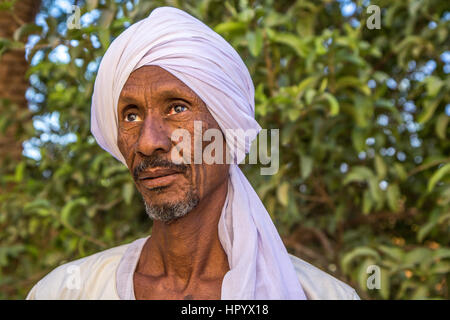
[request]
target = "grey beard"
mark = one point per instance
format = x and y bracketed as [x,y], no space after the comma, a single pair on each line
[171,211]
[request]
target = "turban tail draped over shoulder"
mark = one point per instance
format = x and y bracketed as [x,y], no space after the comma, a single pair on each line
[260,267]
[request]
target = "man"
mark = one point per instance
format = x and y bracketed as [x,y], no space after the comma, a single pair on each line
[212,237]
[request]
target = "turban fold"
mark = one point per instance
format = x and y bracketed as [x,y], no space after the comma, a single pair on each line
[260,267]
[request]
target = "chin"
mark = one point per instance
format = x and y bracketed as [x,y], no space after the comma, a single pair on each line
[162,196]
[168,211]
[167,195]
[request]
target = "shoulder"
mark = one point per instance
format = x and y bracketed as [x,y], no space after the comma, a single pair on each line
[91,277]
[319,285]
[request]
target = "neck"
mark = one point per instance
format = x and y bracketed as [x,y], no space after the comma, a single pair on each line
[188,248]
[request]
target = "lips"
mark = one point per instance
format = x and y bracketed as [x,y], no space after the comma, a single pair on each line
[158,177]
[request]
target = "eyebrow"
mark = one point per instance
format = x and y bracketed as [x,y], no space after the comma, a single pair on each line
[127,99]
[127,95]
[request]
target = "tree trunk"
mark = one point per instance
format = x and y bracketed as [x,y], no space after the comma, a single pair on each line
[13,67]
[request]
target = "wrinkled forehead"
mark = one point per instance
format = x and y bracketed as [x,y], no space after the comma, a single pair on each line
[154,80]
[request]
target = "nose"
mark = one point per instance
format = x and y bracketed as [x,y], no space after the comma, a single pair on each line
[153,137]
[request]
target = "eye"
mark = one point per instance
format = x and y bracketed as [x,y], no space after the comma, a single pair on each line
[177,108]
[131,113]
[132,117]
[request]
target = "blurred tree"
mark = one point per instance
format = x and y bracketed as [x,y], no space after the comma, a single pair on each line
[364,149]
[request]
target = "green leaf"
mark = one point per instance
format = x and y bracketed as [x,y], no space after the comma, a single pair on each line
[255,42]
[380,167]
[429,108]
[20,169]
[294,114]
[434,85]
[441,267]
[323,85]
[441,253]
[375,192]
[104,38]
[231,26]
[362,110]
[393,196]
[349,81]
[395,253]
[334,104]
[427,227]
[25,30]
[358,173]
[306,83]
[306,164]
[40,206]
[358,139]
[319,47]
[417,256]
[367,202]
[68,208]
[283,193]
[290,40]
[441,126]
[400,171]
[357,253]
[438,175]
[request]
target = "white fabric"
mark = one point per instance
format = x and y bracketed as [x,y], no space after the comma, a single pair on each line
[260,267]
[126,268]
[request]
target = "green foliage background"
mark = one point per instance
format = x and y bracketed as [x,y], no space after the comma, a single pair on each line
[364,148]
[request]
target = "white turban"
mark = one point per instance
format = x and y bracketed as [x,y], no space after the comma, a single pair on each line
[260,267]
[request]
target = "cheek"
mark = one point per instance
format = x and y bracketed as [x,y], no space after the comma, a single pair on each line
[207,177]
[126,141]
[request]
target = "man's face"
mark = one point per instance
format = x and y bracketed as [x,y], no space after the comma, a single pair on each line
[153,103]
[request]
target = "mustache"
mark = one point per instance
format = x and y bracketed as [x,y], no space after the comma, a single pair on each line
[157,162]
